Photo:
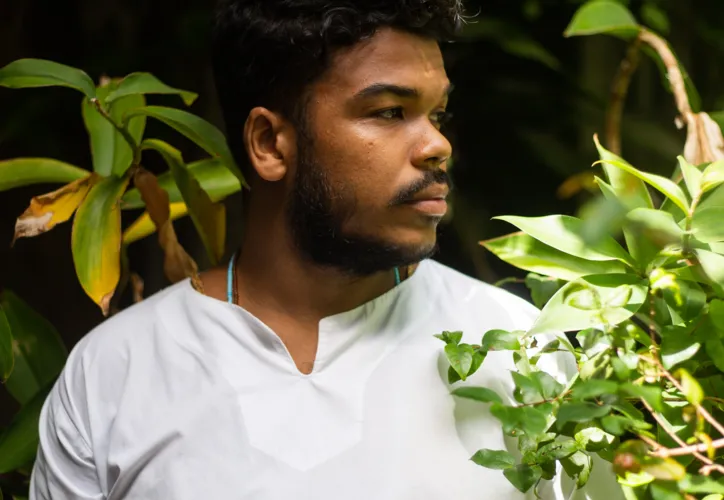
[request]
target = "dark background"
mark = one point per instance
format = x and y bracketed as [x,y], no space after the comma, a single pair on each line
[526,105]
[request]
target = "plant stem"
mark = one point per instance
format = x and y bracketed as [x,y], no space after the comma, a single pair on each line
[690,450]
[121,130]
[619,90]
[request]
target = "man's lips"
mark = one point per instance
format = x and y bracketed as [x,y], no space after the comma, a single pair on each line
[431,201]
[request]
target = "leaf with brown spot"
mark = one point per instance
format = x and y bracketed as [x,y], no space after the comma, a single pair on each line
[48,210]
[178,265]
[704,140]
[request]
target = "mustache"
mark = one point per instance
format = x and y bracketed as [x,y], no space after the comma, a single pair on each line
[430,178]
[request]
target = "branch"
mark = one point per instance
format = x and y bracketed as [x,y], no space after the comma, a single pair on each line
[619,90]
[690,450]
[122,130]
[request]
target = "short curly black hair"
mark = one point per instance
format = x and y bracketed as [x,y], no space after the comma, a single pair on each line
[267,52]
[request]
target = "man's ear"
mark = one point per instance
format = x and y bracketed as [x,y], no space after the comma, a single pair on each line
[269,141]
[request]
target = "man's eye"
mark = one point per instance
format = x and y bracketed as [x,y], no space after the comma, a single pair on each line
[390,114]
[441,118]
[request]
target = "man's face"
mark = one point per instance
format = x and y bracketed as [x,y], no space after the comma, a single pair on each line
[369,188]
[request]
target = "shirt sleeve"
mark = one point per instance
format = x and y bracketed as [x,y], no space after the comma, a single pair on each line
[64,467]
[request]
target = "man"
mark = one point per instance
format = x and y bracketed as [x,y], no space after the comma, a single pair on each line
[307,368]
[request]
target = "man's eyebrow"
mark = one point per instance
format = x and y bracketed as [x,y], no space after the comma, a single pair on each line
[377,89]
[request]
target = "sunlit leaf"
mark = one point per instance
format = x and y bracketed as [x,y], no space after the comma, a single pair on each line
[713,266]
[665,469]
[208,217]
[525,252]
[20,172]
[27,73]
[494,459]
[38,349]
[146,83]
[110,150]
[565,234]
[701,484]
[690,387]
[96,241]
[211,173]
[713,176]
[203,133]
[48,210]
[707,224]
[144,226]
[692,177]
[19,443]
[500,340]
[557,450]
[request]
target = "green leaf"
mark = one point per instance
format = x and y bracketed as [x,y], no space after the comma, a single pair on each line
[7,358]
[203,133]
[628,188]
[701,484]
[480,394]
[111,152]
[39,351]
[146,83]
[460,358]
[452,376]
[713,176]
[593,388]
[657,226]
[96,241]
[556,450]
[523,476]
[592,438]
[677,348]
[527,419]
[667,187]
[650,394]
[564,233]
[208,217]
[542,288]
[580,412]
[450,337]
[211,174]
[692,177]
[536,387]
[19,443]
[578,467]
[715,350]
[713,266]
[493,459]
[707,224]
[665,469]
[20,172]
[563,312]
[27,73]
[665,491]
[690,387]
[601,16]
[500,340]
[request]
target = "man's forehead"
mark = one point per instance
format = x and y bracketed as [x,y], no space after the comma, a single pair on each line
[391,56]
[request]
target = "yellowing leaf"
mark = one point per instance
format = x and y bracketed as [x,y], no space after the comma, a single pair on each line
[144,226]
[96,240]
[48,210]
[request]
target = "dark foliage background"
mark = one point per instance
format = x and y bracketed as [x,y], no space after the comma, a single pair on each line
[526,105]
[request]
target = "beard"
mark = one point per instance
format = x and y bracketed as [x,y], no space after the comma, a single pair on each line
[317,212]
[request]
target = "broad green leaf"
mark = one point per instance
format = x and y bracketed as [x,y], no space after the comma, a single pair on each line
[542,288]
[146,83]
[523,476]
[715,496]
[501,340]
[525,252]
[649,393]
[562,313]
[701,484]
[208,217]
[528,419]
[494,459]
[39,351]
[27,73]
[665,469]
[656,226]
[96,241]
[460,358]
[690,387]
[715,350]
[581,412]
[628,188]
[601,16]
[618,425]
[452,376]
[478,358]
[19,443]
[713,176]
[450,337]
[707,224]
[536,387]
[211,173]
[667,187]
[692,177]
[578,467]
[144,226]
[564,233]
[592,438]
[481,394]
[7,358]
[50,209]
[20,172]
[665,491]
[203,133]
[556,450]
[713,266]
[677,348]
[111,152]
[593,388]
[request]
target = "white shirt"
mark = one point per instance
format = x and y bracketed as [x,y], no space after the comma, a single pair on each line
[187,397]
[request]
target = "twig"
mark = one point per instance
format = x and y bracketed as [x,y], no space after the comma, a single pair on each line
[700,409]
[691,449]
[122,130]
[619,90]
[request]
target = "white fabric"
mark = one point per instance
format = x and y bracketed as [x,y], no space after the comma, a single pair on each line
[186,397]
